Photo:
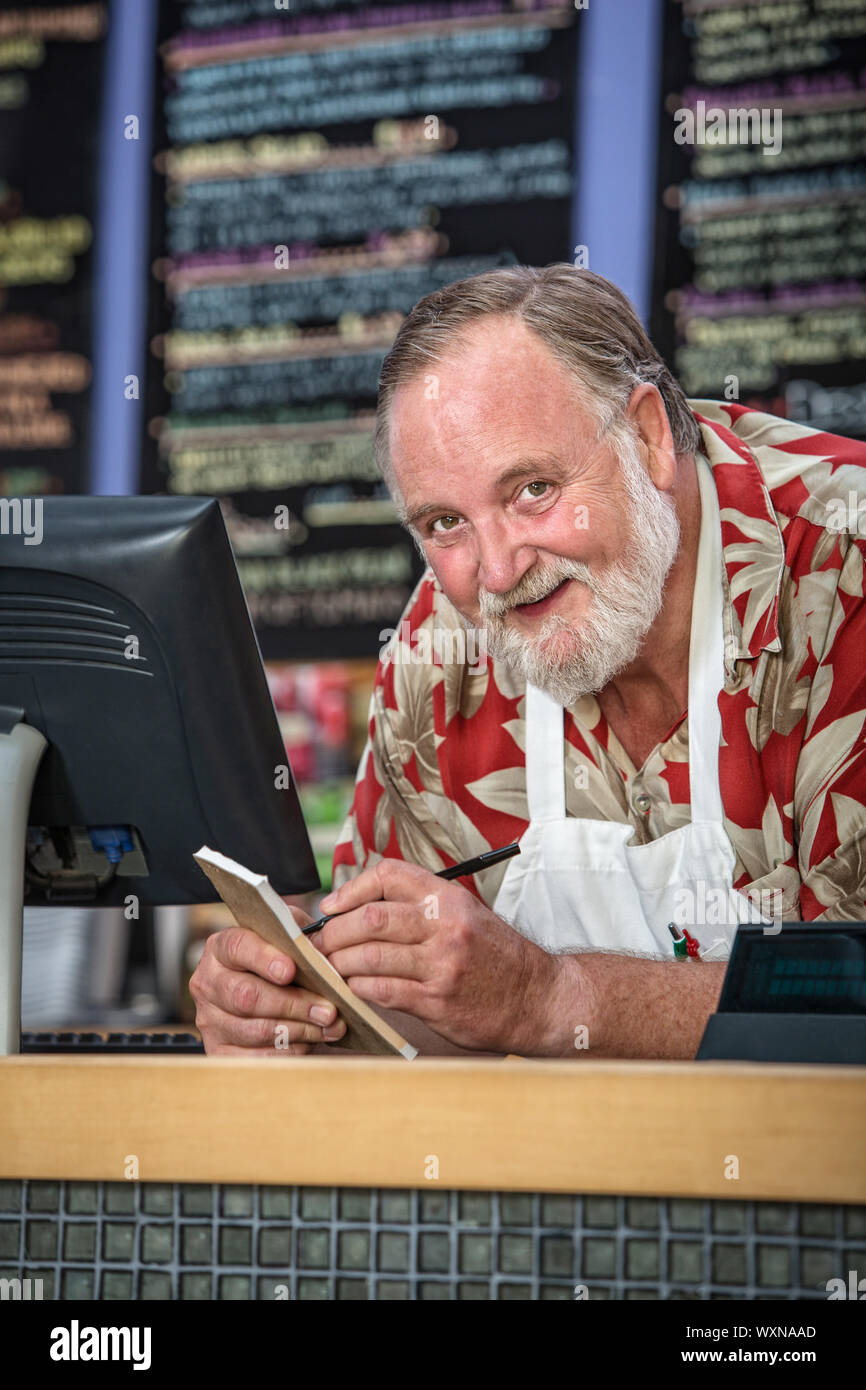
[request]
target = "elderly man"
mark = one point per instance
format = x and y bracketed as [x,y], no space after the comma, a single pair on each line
[670,715]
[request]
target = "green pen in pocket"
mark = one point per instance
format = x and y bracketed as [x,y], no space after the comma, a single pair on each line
[681,945]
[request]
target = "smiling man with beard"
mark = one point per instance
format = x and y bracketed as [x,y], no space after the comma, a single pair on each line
[670,720]
[569,659]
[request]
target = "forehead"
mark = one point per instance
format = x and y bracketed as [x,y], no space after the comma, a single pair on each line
[497,387]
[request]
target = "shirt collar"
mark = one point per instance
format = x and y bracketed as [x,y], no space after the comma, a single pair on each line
[752,543]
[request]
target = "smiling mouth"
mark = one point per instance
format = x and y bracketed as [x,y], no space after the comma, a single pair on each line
[542,604]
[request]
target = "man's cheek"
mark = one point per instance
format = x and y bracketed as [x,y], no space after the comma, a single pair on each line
[455,582]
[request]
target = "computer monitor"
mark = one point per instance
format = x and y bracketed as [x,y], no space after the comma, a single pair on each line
[794,993]
[136,722]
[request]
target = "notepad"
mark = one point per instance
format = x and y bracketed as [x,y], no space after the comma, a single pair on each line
[254,904]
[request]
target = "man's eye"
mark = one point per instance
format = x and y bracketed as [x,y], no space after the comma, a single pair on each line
[452,519]
[537,484]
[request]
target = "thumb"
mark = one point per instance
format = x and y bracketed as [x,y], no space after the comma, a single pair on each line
[302,918]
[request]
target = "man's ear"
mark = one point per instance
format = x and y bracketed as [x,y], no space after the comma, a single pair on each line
[647,414]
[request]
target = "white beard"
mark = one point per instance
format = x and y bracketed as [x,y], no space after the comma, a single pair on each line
[569,659]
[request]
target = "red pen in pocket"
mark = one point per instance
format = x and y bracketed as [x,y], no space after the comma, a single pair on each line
[694,946]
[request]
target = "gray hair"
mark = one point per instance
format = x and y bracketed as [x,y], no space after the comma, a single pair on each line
[587,323]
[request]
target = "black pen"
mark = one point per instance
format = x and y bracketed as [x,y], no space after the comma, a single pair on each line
[470,866]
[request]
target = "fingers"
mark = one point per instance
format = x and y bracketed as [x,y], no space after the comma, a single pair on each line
[220,979]
[391,879]
[249,1036]
[387,992]
[236,1007]
[375,921]
[385,958]
[238,948]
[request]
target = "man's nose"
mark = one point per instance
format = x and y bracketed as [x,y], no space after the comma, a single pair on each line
[503,559]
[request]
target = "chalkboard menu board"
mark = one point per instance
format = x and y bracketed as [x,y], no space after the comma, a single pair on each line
[761,245]
[325,166]
[51,58]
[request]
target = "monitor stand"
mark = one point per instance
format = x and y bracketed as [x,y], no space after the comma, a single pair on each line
[21,747]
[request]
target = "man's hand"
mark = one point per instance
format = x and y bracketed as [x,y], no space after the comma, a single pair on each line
[410,941]
[246,1005]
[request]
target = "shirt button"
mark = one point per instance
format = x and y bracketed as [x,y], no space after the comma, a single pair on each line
[642,803]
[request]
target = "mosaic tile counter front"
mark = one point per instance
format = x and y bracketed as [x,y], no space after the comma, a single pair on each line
[94,1240]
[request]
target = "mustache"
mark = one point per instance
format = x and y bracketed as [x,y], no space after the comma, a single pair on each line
[535,585]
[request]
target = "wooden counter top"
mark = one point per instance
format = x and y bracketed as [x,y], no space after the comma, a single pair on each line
[796,1133]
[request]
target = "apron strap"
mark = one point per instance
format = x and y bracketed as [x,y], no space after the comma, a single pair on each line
[706,657]
[545,736]
[545,756]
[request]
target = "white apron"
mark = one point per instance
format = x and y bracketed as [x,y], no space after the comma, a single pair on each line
[576,884]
